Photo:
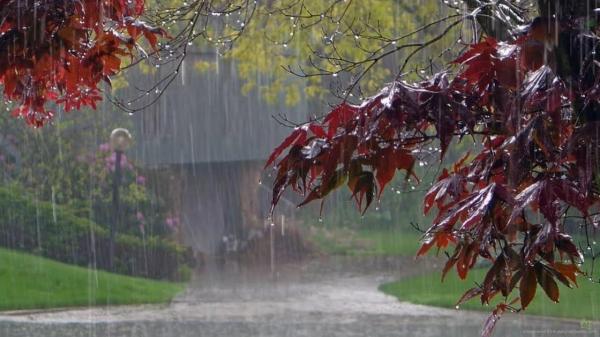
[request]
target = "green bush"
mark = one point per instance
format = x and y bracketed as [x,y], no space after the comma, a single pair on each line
[55,232]
[184,273]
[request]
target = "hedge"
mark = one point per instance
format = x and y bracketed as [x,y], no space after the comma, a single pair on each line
[54,231]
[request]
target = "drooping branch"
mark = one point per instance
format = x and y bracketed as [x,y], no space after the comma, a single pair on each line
[61,51]
[215,24]
[508,202]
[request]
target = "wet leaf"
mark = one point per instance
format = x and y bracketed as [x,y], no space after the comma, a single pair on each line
[547,282]
[493,318]
[469,294]
[570,271]
[296,137]
[527,286]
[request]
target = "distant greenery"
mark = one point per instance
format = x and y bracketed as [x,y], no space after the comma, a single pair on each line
[272,42]
[31,282]
[55,231]
[365,242]
[580,303]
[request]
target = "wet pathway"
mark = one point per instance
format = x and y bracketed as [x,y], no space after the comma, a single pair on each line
[328,299]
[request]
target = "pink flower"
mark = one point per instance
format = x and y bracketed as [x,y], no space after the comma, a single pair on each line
[172,222]
[139,216]
[104,147]
[140,180]
[111,162]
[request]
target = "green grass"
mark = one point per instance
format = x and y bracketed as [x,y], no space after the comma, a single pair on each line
[32,282]
[372,242]
[580,303]
[392,242]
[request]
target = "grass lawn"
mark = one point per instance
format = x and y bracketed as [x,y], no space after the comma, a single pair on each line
[580,303]
[32,282]
[365,242]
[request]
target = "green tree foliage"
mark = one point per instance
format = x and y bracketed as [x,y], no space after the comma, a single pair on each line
[55,231]
[328,43]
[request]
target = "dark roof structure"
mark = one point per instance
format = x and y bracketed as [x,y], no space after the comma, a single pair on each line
[205,118]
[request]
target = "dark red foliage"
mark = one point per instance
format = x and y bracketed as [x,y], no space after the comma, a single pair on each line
[60,50]
[506,204]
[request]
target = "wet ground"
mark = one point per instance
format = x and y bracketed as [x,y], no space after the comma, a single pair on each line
[322,298]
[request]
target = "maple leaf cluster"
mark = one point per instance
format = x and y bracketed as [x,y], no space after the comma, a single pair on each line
[532,104]
[60,50]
